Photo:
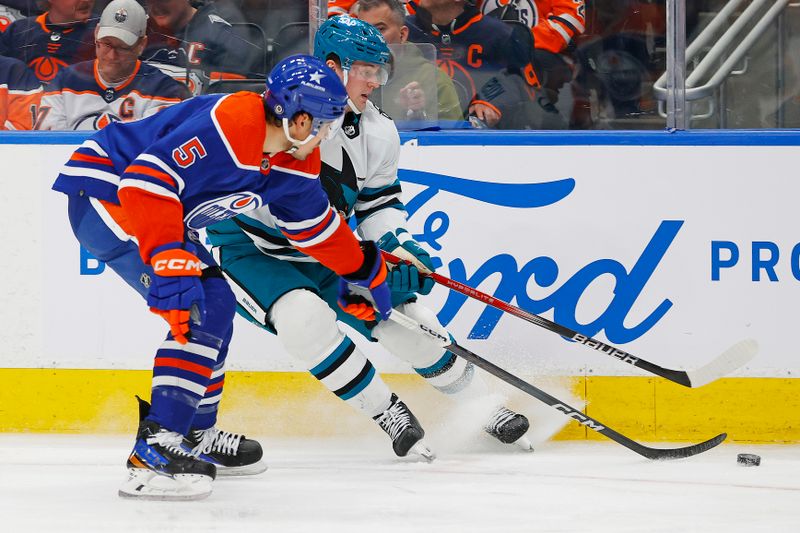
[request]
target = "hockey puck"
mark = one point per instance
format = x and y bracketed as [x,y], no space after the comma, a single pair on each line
[748,459]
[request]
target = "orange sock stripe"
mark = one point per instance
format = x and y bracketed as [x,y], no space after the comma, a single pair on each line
[215,386]
[184,365]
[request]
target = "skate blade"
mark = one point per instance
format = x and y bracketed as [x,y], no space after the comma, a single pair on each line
[143,484]
[524,444]
[420,449]
[247,470]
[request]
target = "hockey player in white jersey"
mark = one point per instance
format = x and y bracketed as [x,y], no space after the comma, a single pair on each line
[286,292]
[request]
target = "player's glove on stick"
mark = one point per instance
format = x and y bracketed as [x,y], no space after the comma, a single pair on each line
[405,277]
[176,293]
[372,277]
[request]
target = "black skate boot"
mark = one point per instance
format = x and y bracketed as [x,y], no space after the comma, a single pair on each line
[404,429]
[231,453]
[509,427]
[160,469]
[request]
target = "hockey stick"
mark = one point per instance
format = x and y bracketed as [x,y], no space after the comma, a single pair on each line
[555,403]
[734,357]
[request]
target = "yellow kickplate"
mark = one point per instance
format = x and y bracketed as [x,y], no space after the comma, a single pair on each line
[295,404]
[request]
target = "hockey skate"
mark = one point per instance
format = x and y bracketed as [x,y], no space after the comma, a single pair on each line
[509,427]
[404,429]
[231,453]
[160,469]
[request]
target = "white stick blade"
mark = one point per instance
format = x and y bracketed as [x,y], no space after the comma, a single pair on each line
[734,357]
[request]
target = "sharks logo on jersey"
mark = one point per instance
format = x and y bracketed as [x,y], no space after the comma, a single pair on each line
[341,186]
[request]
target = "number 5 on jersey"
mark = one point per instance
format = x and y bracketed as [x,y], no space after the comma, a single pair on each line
[186,154]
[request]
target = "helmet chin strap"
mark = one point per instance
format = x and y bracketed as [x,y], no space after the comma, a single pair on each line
[352,105]
[296,143]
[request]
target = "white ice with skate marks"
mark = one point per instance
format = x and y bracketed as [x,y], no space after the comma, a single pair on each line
[69,483]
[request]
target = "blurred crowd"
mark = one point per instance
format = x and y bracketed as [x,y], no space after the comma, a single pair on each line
[499,64]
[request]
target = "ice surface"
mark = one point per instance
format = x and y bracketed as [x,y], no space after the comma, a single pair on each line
[69,483]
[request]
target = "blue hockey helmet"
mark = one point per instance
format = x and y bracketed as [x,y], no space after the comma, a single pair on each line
[350,39]
[304,83]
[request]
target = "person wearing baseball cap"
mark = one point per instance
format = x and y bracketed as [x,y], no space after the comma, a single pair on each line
[116,86]
[120,39]
[124,20]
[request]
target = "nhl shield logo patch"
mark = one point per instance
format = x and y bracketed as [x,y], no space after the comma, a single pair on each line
[265,165]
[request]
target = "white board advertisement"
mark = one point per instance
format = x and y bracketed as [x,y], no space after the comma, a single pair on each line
[672,253]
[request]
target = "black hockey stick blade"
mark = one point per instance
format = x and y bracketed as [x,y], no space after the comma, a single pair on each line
[734,357]
[583,419]
[555,403]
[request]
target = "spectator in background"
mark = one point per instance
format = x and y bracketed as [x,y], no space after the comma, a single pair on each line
[490,59]
[59,37]
[20,92]
[182,38]
[13,10]
[114,87]
[341,7]
[554,24]
[404,95]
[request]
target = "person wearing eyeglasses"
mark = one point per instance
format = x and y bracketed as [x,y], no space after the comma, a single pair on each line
[116,86]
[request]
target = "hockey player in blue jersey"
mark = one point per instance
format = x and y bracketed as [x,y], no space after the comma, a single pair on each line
[137,194]
[277,285]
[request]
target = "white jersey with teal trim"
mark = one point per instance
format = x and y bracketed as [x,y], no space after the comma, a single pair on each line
[359,174]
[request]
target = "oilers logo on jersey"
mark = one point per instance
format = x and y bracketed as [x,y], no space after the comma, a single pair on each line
[223,208]
[97,121]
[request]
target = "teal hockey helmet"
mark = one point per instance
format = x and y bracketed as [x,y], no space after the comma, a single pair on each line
[350,39]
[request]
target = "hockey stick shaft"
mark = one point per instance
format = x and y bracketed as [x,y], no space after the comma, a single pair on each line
[731,359]
[555,403]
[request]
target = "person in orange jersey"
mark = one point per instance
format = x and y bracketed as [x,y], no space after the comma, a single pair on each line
[20,92]
[114,87]
[555,24]
[49,42]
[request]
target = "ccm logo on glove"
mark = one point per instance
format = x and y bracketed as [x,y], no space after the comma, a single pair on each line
[177,266]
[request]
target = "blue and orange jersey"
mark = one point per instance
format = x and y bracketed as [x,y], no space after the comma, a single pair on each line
[20,93]
[473,49]
[554,23]
[200,162]
[208,43]
[79,99]
[47,48]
